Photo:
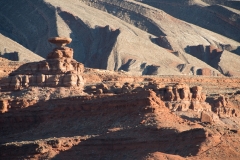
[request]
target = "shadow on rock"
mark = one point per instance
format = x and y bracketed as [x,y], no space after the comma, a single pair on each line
[13,56]
[94,44]
[115,127]
[137,143]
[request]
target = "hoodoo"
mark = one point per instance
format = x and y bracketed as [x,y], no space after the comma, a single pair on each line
[61,51]
[58,70]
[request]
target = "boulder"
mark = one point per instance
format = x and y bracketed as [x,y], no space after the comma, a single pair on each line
[60,41]
[209,117]
[126,88]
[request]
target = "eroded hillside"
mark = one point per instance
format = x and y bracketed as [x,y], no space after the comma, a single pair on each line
[129,35]
[58,109]
[123,117]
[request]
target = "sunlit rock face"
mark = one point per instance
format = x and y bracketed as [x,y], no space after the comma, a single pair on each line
[58,70]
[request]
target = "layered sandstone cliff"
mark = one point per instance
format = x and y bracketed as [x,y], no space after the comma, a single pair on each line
[177,97]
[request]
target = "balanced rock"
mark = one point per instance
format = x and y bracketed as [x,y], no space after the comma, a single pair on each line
[60,41]
[58,70]
[60,51]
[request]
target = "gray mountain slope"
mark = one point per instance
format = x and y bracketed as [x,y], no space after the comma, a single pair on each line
[111,34]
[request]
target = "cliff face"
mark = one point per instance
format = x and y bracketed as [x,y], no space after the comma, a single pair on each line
[135,124]
[220,59]
[29,23]
[122,35]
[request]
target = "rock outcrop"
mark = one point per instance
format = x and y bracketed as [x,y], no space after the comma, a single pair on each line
[124,117]
[7,66]
[7,105]
[118,114]
[181,97]
[59,69]
[177,97]
[223,108]
[209,117]
[217,57]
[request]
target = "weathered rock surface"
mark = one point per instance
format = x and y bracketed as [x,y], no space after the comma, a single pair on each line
[213,15]
[7,66]
[178,97]
[218,58]
[181,98]
[224,108]
[124,118]
[120,35]
[60,69]
[209,117]
[141,109]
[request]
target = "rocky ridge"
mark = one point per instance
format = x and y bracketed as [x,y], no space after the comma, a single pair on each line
[105,34]
[114,113]
[123,117]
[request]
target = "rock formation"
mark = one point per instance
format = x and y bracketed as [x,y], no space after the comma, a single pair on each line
[59,69]
[223,107]
[177,97]
[217,57]
[169,96]
[3,106]
[209,117]
[120,113]
[103,39]
[7,66]
[180,98]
